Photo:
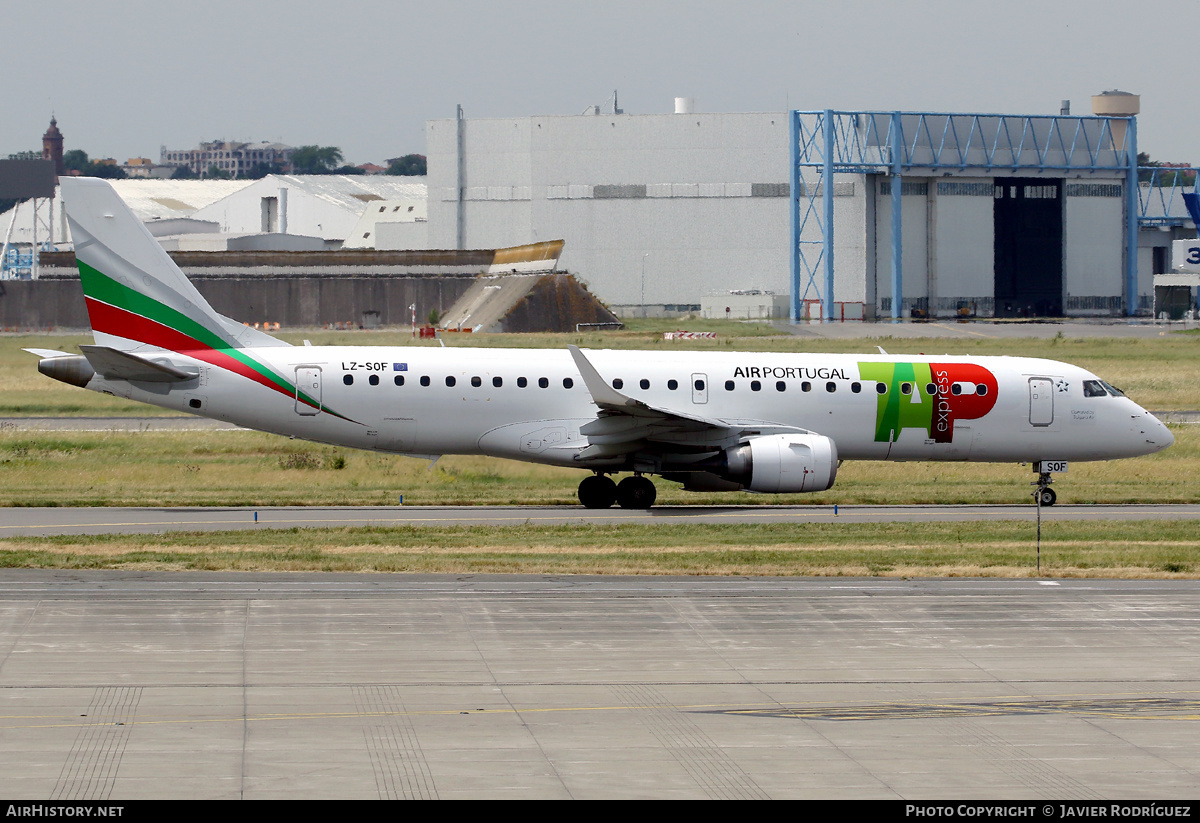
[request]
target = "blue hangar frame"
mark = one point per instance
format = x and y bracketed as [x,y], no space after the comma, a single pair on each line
[896,144]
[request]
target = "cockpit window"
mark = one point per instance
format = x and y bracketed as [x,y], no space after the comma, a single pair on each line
[1113,390]
[1093,388]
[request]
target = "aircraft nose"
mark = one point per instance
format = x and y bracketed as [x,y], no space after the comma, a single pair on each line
[1158,436]
[1164,436]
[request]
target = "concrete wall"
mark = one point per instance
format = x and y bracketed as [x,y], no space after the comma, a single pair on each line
[291,300]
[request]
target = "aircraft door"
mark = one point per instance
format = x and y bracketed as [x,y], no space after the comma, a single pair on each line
[308,385]
[699,388]
[1041,401]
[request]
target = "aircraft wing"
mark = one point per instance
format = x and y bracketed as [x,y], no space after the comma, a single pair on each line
[625,424]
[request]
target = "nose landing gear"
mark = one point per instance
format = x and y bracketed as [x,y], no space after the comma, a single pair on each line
[1043,495]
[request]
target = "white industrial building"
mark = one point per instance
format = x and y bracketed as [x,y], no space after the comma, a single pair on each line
[329,206]
[665,206]
[278,212]
[1000,215]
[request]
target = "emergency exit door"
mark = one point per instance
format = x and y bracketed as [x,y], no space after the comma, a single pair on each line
[1041,401]
[308,388]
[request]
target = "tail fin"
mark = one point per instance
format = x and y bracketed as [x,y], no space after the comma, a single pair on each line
[137,298]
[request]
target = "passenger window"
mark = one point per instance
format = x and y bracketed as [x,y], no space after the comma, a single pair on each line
[857,387]
[373,380]
[699,384]
[425,380]
[755,385]
[450,381]
[568,383]
[399,380]
[931,390]
[543,382]
[348,379]
[906,388]
[806,386]
[476,382]
[881,388]
[645,384]
[980,389]
[728,385]
[781,386]
[522,382]
[956,390]
[497,381]
[831,387]
[618,383]
[672,384]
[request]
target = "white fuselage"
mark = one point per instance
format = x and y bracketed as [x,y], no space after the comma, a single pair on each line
[530,404]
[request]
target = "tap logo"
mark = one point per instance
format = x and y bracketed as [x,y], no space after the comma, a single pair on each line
[929,396]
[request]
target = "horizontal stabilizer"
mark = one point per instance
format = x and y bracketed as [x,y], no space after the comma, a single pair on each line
[48,352]
[119,365]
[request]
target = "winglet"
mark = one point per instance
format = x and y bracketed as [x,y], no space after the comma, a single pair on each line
[603,395]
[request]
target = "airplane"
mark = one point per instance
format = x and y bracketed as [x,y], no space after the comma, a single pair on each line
[712,421]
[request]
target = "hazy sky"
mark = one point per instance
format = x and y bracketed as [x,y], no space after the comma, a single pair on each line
[365,75]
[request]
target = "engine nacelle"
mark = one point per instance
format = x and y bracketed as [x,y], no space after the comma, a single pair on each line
[780,463]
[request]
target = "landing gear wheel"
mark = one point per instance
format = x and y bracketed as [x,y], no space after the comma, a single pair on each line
[636,492]
[597,491]
[1043,495]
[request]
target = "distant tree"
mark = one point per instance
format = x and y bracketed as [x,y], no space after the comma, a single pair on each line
[183,173]
[348,170]
[216,173]
[316,159]
[260,170]
[410,165]
[1162,173]
[77,160]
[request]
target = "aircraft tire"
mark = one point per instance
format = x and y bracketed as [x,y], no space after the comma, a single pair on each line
[1048,497]
[636,492]
[597,491]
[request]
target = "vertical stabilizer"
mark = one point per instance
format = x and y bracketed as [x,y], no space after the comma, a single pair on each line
[137,298]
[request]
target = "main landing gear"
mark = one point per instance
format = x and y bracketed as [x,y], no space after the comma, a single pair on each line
[599,492]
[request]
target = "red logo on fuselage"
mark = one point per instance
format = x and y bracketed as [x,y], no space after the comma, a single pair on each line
[964,392]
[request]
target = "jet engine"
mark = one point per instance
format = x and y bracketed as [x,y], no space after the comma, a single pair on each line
[780,463]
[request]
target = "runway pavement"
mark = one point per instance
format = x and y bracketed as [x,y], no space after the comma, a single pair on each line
[126,685]
[34,522]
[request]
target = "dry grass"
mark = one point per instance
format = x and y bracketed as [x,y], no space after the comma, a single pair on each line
[1149,549]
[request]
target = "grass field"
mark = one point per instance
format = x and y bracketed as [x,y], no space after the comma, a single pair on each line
[237,468]
[1003,549]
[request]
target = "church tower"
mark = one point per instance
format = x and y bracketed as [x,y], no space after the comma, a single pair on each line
[52,146]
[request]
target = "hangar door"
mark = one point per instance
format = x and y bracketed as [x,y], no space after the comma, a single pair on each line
[1028,219]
